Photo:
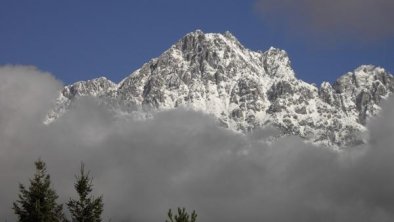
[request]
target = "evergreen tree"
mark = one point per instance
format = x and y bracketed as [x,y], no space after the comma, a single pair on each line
[38,203]
[182,216]
[86,208]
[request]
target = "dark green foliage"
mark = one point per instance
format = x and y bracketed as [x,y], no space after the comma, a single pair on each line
[182,216]
[38,203]
[86,208]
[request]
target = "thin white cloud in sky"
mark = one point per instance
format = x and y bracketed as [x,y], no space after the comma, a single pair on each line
[362,20]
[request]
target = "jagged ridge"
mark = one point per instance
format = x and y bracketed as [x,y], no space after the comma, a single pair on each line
[244,89]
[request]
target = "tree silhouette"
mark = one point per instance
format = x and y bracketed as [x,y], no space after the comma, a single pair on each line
[182,216]
[38,202]
[86,208]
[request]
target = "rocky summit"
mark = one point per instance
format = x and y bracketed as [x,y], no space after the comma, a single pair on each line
[214,73]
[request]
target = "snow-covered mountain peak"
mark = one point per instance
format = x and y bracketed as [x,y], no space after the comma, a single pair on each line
[214,73]
[198,36]
[362,78]
[90,87]
[199,42]
[279,62]
[230,36]
[325,85]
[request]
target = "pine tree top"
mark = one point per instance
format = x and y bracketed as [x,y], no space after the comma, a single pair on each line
[86,208]
[182,216]
[38,202]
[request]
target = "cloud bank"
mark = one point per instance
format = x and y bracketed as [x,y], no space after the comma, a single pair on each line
[362,20]
[182,158]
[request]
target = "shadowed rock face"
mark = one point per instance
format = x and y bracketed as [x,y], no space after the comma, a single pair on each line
[215,74]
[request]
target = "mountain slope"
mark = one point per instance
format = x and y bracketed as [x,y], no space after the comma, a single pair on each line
[214,73]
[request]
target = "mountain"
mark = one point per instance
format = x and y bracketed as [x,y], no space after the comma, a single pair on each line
[214,73]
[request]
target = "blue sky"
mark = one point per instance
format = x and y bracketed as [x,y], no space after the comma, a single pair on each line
[80,40]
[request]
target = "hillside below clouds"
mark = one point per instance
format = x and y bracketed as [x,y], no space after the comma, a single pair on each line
[214,73]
